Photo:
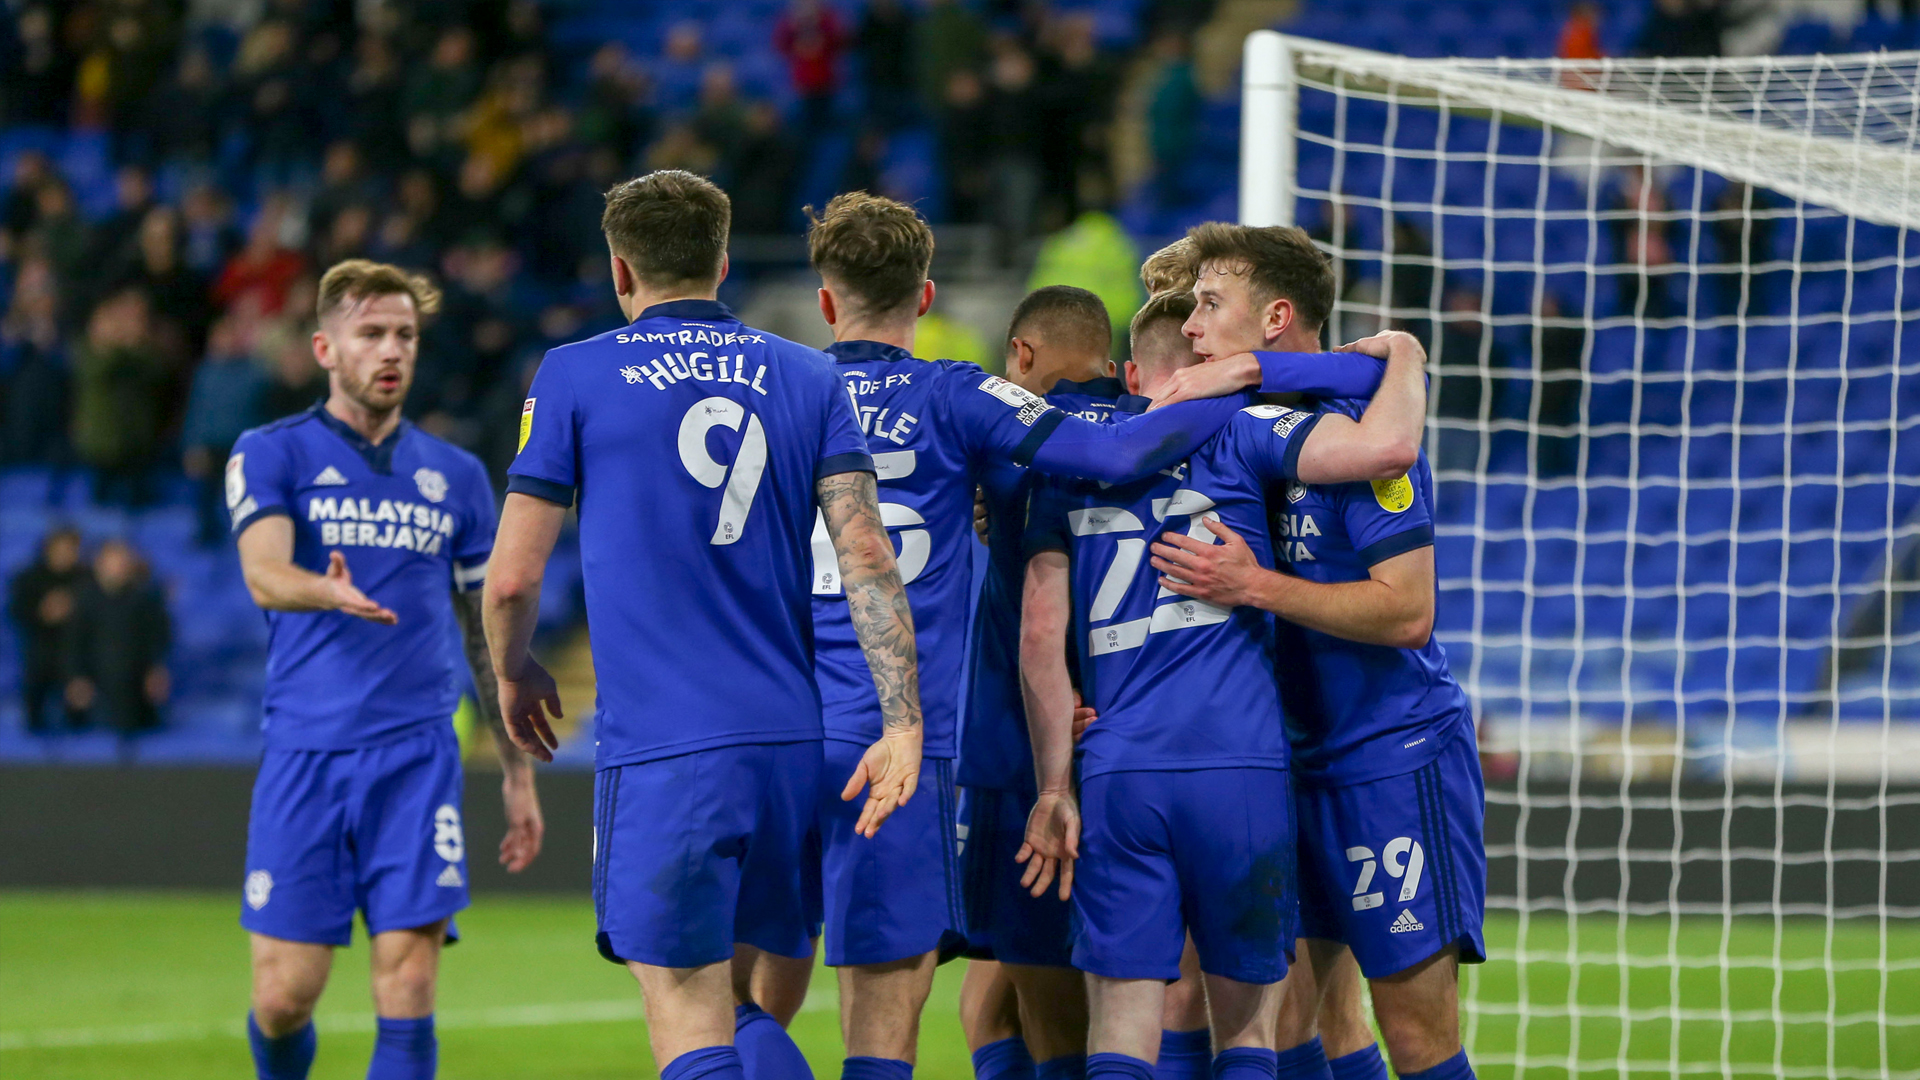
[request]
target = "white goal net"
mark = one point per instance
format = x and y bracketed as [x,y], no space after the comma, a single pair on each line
[1675,425]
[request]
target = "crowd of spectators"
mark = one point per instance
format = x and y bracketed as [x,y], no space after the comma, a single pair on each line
[248,154]
[93,638]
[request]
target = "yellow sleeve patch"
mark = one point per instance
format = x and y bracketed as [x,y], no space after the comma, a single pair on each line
[1395,495]
[526,424]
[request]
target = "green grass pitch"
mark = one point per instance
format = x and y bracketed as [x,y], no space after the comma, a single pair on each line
[112,985]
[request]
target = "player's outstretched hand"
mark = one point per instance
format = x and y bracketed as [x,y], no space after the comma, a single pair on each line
[525,703]
[340,590]
[525,827]
[1216,378]
[890,771]
[1225,573]
[1053,843]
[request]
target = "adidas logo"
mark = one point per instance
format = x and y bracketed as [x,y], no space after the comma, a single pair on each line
[1404,924]
[450,878]
[330,477]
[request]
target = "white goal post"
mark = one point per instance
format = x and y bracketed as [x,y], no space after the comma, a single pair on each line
[1670,307]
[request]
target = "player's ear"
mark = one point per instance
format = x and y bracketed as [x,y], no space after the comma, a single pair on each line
[827,310]
[1019,355]
[1133,377]
[725,265]
[623,282]
[926,298]
[1278,316]
[322,350]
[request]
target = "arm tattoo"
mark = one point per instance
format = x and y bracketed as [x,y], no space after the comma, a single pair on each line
[877,600]
[486,690]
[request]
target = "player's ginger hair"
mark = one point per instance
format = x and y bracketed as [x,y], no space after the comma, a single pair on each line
[875,250]
[1171,269]
[352,281]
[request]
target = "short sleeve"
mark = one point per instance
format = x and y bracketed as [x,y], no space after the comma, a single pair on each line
[259,480]
[547,463]
[1386,518]
[1047,518]
[996,419]
[843,448]
[1268,439]
[478,520]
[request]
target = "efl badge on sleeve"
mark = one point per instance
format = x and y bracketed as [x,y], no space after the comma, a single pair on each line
[526,424]
[1394,496]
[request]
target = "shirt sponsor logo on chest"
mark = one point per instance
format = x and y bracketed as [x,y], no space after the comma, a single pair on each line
[345,521]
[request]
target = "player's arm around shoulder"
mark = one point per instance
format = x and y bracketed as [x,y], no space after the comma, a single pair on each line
[1385,442]
[883,623]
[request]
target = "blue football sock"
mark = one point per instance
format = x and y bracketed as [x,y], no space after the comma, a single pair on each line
[1362,1064]
[1308,1061]
[1064,1067]
[717,1062]
[1006,1059]
[1185,1055]
[1454,1068]
[767,1052]
[404,1050]
[1245,1063]
[1117,1067]
[285,1058]
[873,1068]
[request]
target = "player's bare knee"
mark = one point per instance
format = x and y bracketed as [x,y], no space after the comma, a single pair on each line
[281,1004]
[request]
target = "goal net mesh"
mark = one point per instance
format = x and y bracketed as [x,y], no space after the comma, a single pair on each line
[1675,425]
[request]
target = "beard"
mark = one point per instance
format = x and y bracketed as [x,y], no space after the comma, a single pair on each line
[370,394]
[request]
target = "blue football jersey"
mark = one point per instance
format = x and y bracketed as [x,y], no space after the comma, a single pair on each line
[1178,683]
[934,427]
[414,517]
[1358,712]
[995,751]
[693,444]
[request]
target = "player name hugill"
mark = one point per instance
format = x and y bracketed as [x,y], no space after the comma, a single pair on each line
[346,522]
[696,366]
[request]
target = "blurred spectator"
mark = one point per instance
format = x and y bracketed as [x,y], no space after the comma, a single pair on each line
[21,209]
[948,40]
[1563,346]
[964,120]
[1173,114]
[61,236]
[761,174]
[437,93]
[1077,87]
[374,88]
[614,114]
[1473,358]
[111,241]
[1013,128]
[721,120]
[229,396]
[811,37]
[272,103]
[343,182]
[1580,35]
[1096,254]
[298,381]
[175,294]
[120,383]
[1642,232]
[885,43]
[117,643]
[209,237]
[1683,28]
[1411,261]
[264,269]
[678,68]
[34,362]
[1743,227]
[125,62]
[38,87]
[41,600]
[182,121]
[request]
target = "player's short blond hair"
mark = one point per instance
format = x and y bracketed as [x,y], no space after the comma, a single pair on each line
[1171,269]
[354,280]
[1162,313]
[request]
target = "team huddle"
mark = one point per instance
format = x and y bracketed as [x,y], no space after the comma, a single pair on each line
[1184,771]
